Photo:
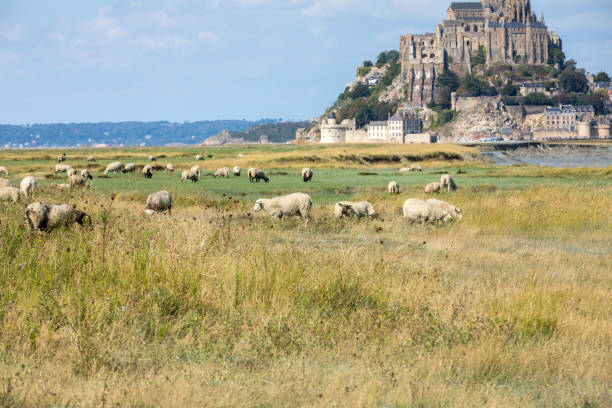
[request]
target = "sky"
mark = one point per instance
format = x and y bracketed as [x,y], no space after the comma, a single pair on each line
[189,60]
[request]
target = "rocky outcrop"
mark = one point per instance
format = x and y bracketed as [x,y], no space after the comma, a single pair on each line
[222,138]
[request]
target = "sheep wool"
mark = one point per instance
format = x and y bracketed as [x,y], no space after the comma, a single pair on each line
[292,204]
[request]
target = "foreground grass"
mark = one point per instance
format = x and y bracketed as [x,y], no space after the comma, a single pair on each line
[215,306]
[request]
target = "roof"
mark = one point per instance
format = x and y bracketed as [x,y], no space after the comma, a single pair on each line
[466,6]
[532,85]
[397,117]
[513,24]
[378,123]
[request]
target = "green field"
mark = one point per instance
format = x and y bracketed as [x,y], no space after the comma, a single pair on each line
[216,305]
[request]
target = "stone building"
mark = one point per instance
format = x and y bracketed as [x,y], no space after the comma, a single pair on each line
[507,31]
[531,87]
[567,116]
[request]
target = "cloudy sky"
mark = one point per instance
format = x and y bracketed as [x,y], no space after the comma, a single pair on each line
[177,60]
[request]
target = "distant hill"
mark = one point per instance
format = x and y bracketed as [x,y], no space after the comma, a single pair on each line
[280,132]
[121,133]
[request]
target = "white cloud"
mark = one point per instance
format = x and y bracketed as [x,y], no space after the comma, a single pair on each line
[105,25]
[207,36]
[12,32]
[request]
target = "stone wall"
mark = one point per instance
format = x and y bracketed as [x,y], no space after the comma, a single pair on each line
[547,134]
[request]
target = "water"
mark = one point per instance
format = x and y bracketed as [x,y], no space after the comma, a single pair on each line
[554,156]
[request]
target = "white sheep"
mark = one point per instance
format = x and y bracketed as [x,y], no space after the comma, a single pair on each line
[222,172]
[349,209]
[415,167]
[236,171]
[147,171]
[199,157]
[27,186]
[46,217]
[160,201]
[421,211]
[192,174]
[62,168]
[4,171]
[447,182]
[393,188]
[70,172]
[455,212]
[307,174]
[169,167]
[85,173]
[405,170]
[433,187]
[129,168]
[77,181]
[292,204]
[256,174]
[10,194]
[5,183]
[113,167]
[91,159]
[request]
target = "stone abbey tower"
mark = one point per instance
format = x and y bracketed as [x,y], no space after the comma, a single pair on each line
[508,30]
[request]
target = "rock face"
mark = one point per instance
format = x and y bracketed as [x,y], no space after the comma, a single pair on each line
[222,138]
[478,117]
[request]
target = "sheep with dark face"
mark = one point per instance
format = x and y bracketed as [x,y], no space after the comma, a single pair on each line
[348,209]
[307,174]
[47,217]
[169,167]
[113,167]
[77,181]
[256,174]
[199,157]
[393,188]
[91,159]
[61,158]
[4,171]
[130,168]
[62,168]
[292,204]
[147,171]
[192,174]
[70,172]
[152,158]
[85,173]
[160,202]
[237,171]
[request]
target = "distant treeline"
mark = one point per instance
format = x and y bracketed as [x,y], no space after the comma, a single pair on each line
[280,132]
[121,133]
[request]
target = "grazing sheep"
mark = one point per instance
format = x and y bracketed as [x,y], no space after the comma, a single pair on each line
[62,168]
[61,158]
[4,171]
[160,201]
[433,187]
[349,209]
[237,171]
[222,172]
[91,159]
[192,174]
[70,172]
[5,183]
[199,157]
[10,194]
[255,175]
[152,158]
[129,168]
[147,171]
[77,181]
[446,181]
[393,188]
[85,173]
[27,186]
[46,217]
[421,211]
[416,167]
[292,204]
[307,174]
[455,212]
[405,170]
[113,167]
[169,167]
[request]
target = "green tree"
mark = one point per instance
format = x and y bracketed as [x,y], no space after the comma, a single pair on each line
[360,90]
[367,63]
[536,99]
[510,90]
[381,60]
[510,100]
[572,81]
[602,77]
[595,100]
[556,56]
[392,56]
[480,58]
[449,79]
[363,71]
[570,64]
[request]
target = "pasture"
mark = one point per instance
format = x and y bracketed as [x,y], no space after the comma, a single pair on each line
[219,306]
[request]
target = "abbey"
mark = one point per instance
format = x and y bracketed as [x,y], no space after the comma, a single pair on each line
[508,31]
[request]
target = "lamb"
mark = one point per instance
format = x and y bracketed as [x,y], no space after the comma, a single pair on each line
[46,217]
[130,168]
[237,171]
[421,211]
[10,194]
[433,188]
[446,181]
[192,174]
[393,188]
[61,158]
[160,201]
[222,172]
[147,171]
[4,171]
[292,204]
[70,172]
[77,181]
[113,167]
[27,186]
[152,158]
[5,183]
[62,168]
[455,212]
[199,157]
[85,173]
[91,159]
[307,174]
[169,167]
[255,175]
[349,209]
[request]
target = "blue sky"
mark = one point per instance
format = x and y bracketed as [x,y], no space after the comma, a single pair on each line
[94,60]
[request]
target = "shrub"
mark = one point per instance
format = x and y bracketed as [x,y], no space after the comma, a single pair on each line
[510,90]
[572,81]
[363,71]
